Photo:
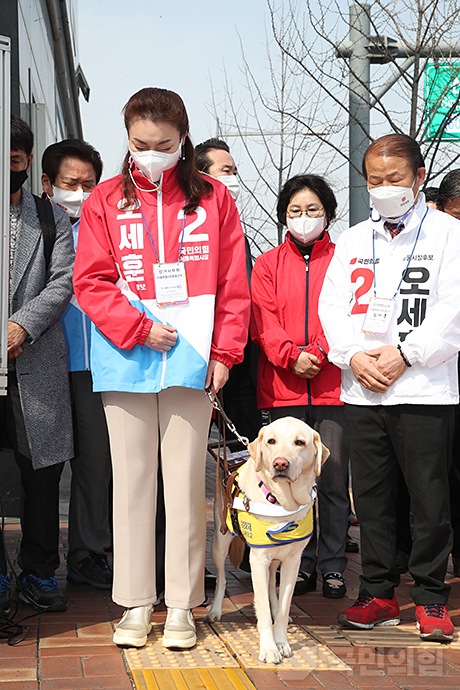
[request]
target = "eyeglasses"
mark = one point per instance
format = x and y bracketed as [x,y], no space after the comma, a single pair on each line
[312,212]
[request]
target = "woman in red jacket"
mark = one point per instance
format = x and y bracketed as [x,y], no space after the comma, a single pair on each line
[160,271]
[295,377]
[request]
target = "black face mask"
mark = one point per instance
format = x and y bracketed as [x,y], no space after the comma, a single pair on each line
[17,179]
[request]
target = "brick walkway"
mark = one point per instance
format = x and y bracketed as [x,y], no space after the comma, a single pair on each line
[73,650]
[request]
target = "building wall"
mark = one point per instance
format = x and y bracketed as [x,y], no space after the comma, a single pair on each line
[35,94]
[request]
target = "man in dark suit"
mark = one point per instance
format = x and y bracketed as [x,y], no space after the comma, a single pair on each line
[35,414]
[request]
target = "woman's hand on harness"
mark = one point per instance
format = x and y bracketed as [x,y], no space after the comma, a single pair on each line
[217,374]
[306,366]
[161,337]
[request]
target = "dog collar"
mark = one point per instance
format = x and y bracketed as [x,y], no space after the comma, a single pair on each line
[265,490]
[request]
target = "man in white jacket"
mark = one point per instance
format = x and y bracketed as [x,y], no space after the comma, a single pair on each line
[390,309]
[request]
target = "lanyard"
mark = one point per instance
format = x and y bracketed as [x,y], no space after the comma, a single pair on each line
[151,239]
[410,258]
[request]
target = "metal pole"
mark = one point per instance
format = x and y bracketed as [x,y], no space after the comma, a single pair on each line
[5,115]
[359,106]
[391,81]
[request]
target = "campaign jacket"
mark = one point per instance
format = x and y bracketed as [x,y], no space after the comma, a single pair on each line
[426,318]
[77,328]
[285,292]
[114,284]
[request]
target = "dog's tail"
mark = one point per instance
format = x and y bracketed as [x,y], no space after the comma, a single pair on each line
[236,551]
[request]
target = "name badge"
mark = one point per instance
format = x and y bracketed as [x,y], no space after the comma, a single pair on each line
[378,316]
[170,284]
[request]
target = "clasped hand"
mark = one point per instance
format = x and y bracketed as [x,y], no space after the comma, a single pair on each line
[378,369]
[306,366]
[161,337]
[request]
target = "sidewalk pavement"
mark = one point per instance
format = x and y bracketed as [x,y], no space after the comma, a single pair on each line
[74,650]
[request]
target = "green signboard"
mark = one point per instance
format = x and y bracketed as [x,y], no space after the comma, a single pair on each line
[442,101]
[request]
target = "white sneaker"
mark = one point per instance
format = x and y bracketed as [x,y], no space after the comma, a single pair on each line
[179,630]
[134,626]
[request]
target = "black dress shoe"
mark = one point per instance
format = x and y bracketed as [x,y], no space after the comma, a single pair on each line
[351,546]
[306,583]
[334,586]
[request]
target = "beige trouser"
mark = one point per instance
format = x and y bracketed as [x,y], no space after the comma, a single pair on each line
[177,420]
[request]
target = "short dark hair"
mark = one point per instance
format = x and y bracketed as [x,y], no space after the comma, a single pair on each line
[398,145]
[431,194]
[316,184]
[70,148]
[202,160]
[22,137]
[449,188]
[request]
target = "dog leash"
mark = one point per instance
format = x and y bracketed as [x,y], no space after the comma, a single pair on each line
[217,405]
[230,481]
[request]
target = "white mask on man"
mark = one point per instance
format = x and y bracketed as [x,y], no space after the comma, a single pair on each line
[70,201]
[154,163]
[232,184]
[391,201]
[306,230]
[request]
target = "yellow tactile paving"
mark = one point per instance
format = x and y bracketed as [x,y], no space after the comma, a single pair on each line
[243,640]
[187,679]
[405,635]
[327,634]
[209,652]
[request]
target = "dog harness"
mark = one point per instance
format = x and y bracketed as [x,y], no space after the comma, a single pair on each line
[260,533]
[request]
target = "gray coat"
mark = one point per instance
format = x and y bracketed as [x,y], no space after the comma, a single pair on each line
[37,299]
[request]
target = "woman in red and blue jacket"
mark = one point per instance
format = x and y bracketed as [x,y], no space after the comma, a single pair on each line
[295,377]
[160,271]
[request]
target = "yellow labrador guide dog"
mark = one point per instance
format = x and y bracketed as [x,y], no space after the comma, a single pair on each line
[273,511]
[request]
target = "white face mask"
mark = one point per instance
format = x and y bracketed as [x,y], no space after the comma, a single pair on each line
[232,184]
[392,201]
[153,163]
[68,200]
[306,229]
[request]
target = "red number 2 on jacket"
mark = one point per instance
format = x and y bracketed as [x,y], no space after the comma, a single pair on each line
[367,276]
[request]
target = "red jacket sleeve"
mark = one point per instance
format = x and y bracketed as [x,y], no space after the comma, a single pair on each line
[232,306]
[95,277]
[266,329]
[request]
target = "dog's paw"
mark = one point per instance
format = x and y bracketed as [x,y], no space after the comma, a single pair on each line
[284,648]
[213,616]
[271,655]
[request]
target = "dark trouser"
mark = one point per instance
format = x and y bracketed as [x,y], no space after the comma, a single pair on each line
[418,438]
[454,484]
[403,533]
[240,398]
[91,472]
[333,505]
[38,553]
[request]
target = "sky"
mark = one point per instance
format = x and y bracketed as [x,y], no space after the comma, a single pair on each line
[191,47]
[125,45]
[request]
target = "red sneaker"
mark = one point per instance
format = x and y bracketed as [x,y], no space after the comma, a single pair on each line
[368,611]
[434,622]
